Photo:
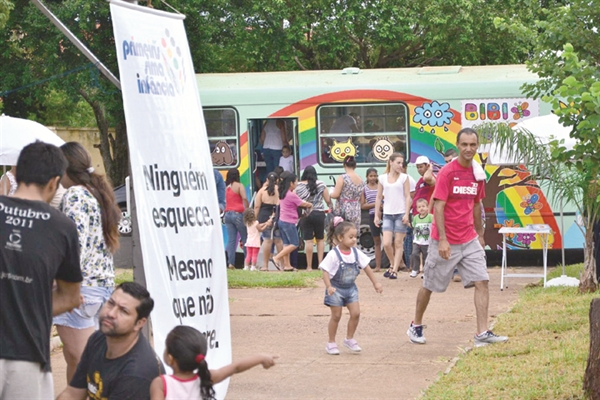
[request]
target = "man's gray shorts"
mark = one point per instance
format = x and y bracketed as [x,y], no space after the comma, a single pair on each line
[468,258]
[24,380]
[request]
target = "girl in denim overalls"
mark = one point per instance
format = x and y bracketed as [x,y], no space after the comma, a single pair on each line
[340,268]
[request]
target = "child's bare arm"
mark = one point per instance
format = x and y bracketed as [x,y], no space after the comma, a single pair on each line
[376,284]
[330,289]
[157,390]
[218,375]
[264,225]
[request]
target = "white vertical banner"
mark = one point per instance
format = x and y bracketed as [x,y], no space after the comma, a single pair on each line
[175,192]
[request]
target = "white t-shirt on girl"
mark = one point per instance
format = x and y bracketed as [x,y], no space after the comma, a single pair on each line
[331,262]
[175,388]
[393,195]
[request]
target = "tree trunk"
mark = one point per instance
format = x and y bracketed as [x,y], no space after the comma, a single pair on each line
[588,282]
[591,379]
[120,151]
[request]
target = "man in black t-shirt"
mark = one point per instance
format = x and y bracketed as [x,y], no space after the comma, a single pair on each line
[38,245]
[118,362]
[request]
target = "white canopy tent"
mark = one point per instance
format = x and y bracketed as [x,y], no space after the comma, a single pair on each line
[545,128]
[16,133]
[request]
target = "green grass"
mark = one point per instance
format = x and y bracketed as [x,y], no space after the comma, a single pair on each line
[545,357]
[574,271]
[249,279]
[123,275]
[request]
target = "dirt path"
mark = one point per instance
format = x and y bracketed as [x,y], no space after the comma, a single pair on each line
[293,324]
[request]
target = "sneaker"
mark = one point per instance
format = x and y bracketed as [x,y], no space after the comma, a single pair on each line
[352,345]
[456,277]
[253,268]
[488,337]
[414,274]
[415,333]
[332,349]
[246,268]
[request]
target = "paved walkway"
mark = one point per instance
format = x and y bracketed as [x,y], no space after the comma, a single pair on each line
[293,324]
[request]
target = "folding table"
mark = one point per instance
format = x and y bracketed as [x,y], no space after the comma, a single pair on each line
[543,231]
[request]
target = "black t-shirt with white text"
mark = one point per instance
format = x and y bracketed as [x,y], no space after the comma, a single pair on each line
[125,377]
[37,245]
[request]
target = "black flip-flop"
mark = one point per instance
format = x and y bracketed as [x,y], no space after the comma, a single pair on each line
[275,264]
[393,275]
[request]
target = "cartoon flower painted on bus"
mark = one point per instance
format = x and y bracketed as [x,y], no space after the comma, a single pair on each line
[433,114]
[526,238]
[531,204]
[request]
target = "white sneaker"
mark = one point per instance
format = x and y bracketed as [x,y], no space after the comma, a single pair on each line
[246,268]
[488,337]
[352,345]
[414,274]
[332,349]
[253,268]
[415,334]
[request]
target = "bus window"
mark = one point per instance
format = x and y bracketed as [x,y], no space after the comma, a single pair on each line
[369,132]
[222,130]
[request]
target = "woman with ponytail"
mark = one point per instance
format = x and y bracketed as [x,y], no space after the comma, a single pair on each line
[90,202]
[185,353]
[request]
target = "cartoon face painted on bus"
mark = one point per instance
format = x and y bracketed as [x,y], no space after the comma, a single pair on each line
[340,150]
[382,149]
[222,154]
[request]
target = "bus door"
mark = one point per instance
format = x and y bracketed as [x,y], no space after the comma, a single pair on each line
[258,164]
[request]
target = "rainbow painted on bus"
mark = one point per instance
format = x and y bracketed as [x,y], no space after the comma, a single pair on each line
[513,197]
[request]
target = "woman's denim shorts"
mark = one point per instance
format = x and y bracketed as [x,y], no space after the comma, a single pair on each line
[271,230]
[341,297]
[289,233]
[86,315]
[393,223]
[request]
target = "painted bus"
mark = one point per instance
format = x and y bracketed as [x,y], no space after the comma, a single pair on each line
[416,111]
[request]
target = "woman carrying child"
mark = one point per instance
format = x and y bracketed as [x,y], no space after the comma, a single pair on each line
[340,268]
[265,205]
[288,218]
[253,229]
[185,353]
[367,202]
[394,187]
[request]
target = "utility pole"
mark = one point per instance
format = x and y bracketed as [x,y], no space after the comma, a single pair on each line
[75,40]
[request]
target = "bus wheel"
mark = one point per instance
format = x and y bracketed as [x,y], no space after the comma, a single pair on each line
[365,241]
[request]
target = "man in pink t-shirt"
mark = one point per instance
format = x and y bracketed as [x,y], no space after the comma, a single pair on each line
[457,240]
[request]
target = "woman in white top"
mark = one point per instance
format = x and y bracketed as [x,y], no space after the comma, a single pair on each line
[394,188]
[273,137]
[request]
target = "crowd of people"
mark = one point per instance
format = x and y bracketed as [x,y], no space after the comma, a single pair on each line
[59,263]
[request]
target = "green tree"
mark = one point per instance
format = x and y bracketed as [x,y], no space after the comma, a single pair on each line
[573,175]
[566,56]
[5,7]
[267,35]
[36,50]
